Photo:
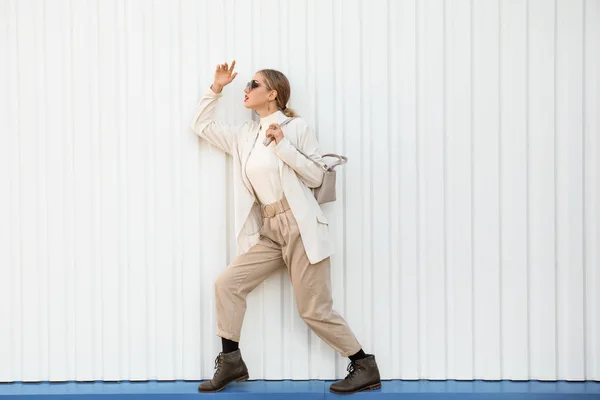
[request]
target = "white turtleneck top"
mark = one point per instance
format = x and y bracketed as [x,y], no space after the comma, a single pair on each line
[262,168]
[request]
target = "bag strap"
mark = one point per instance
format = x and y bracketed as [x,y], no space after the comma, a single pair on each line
[286,121]
[341,159]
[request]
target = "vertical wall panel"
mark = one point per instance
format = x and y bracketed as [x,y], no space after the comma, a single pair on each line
[569,192]
[542,189]
[206,156]
[324,85]
[7,136]
[486,191]
[5,283]
[513,190]
[42,201]
[86,268]
[136,195]
[57,175]
[364,214]
[15,359]
[591,214]
[405,88]
[29,186]
[191,240]
[352,104]
[15,261]
[338,220]
[163,189]
[466,228]
[72,186]
[380,160]
[431,164]
[110,240]
[150,128]
[393,109]
[178,124]
[459,238]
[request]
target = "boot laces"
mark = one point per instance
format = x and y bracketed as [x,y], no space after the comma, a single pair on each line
[218,363]
[352,370]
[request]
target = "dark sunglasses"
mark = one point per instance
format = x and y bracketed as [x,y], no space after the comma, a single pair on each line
[253,84]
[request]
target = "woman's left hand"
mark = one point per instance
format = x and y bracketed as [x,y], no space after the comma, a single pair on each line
[275,132]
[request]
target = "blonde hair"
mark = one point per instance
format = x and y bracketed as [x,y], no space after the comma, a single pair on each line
[278,81]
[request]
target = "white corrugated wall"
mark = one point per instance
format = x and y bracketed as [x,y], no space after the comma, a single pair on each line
[467,227]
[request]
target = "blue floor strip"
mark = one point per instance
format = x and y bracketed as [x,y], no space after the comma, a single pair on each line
[296,390]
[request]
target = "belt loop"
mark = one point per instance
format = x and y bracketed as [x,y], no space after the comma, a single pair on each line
[284,203]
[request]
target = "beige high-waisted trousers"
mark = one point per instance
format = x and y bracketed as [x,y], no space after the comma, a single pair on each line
[280,245]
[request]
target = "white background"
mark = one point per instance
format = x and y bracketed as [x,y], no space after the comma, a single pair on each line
[467,227]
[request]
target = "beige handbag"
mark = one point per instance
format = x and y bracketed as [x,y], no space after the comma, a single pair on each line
[326,192]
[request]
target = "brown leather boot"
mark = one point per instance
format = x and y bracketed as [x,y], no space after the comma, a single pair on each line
[229,367]
[362,375]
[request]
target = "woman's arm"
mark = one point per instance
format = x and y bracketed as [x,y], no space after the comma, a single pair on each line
[310,173]
[218,134]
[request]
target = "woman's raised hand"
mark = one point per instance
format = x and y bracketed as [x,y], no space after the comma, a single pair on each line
[224,75]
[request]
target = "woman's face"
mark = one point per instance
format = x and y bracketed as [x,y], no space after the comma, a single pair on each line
[257,93]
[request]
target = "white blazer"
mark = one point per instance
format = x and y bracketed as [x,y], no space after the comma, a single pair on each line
[298,174]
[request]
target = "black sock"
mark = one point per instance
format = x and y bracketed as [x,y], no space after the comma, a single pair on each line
[229,346]
[358,356]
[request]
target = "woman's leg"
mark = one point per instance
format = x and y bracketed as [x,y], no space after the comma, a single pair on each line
[313,293]
[231,288]
[312,287]
[236,281]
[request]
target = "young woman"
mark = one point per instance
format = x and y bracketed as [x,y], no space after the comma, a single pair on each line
[278,224]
